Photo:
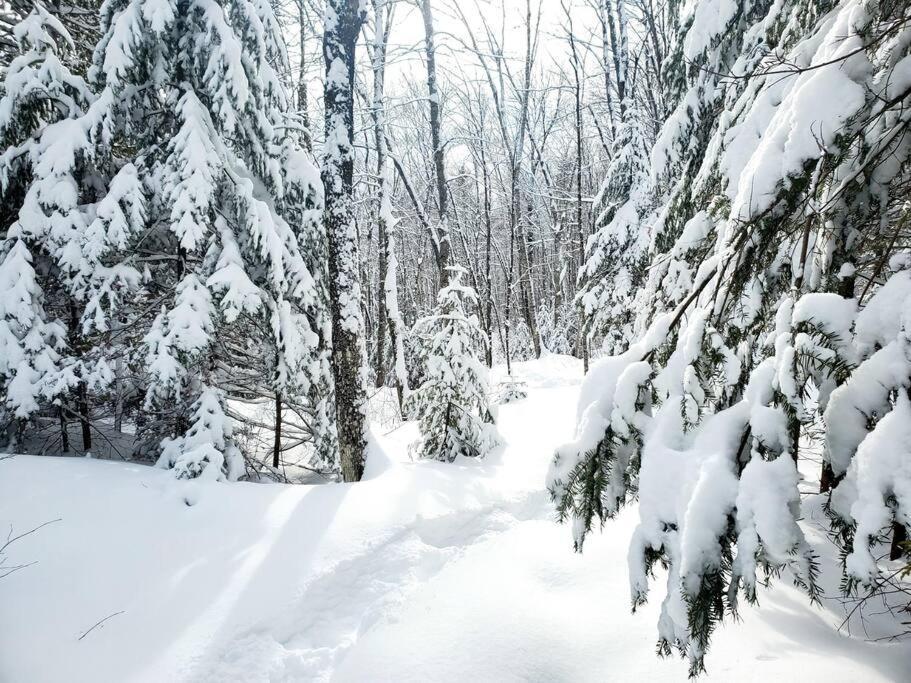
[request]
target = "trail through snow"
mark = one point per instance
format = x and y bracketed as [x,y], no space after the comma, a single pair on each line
[424,572]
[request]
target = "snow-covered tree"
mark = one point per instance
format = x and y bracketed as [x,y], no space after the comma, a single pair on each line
[342,25]
[193,87]
[452,404]
[745,328]
[616,254]
[62,266]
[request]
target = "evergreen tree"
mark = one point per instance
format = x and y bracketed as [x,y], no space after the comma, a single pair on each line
[617,252]
[749,304]
[63,270]
[193,88]
[452,404]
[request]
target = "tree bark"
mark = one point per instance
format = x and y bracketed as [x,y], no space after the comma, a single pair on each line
[379,115]
[444,247]
[343,23]
[605,17]
[580,231]
[303,104]
[899,537]
[64,435]
[488,230]
[82,406]
[277,443]
[82,391]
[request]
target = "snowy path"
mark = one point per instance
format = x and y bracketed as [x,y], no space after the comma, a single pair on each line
[425,572]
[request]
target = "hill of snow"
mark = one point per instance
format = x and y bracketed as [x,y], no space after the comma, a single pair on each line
[425,571]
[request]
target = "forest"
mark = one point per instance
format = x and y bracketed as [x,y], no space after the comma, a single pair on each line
[387,340]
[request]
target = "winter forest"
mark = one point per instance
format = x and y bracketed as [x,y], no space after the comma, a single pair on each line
[439,340]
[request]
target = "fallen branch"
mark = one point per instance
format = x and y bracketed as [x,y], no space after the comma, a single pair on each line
[100,623]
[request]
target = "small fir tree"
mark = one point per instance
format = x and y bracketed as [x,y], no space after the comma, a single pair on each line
[452,405]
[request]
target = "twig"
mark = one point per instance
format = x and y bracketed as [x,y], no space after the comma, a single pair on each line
[10,539]
[100,623]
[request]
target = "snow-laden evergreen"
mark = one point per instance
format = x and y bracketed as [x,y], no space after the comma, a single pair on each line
[452,405]
[616,254]
[194,89]
[779,177]
[62,263]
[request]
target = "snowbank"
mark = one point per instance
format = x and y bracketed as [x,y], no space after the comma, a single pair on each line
[426,571]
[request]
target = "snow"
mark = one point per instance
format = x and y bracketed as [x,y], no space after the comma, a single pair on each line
[865,393]
[833,313]
[424,571]
[710,19]
[879,471]
[815,105]
[880,320]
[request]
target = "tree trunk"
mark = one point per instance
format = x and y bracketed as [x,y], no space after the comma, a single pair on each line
[381,317]
[379,134]
[82,391]
[605,53]
[617,25]
[343,24]
[444,247]
[506,323]
[277,443]
[488,227]
[303,104]
[82,405]
[530,301]
[119,388]
[396,326]
[580,231]
[899,537]
[64,435]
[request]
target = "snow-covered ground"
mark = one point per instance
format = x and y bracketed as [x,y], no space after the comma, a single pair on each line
[423,572]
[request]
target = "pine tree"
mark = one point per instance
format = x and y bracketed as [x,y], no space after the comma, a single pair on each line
[616,253]
[194,89]
[452,404]
[63,271]
[748,304]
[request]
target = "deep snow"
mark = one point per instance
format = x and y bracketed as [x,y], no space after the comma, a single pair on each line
[424,572]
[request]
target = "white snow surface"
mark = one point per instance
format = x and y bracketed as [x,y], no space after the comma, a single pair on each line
[425,571]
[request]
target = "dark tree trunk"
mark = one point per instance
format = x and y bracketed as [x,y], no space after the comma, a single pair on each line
[82,392]
[381,315]
[343,24]
[528,291]
[605,17]
[507,309]
[444,247]
[488,227]
[379,134]
[899,537]
[64,435]
[580,230]
[82,406]
[303,100]
[277,444]
[614,27]
[827,478]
